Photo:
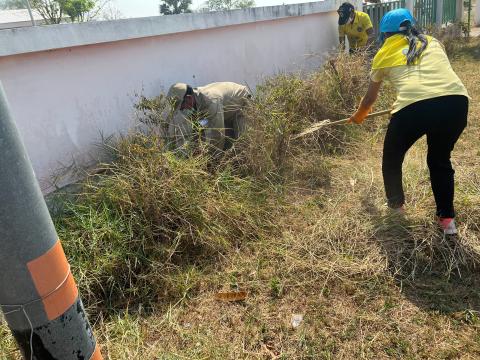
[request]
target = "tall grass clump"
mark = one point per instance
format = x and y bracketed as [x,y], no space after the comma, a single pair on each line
[453,37]
[151,213]
[286,104]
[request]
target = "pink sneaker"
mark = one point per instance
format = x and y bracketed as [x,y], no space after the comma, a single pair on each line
[397,211]
[400,210]
[447,225]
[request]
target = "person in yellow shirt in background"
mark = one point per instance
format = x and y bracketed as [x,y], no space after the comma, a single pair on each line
[431,100]
[356,26]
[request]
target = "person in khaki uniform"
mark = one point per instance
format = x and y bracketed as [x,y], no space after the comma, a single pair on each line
[218,106]
[356,26]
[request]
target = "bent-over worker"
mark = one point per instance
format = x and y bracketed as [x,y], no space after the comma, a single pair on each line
[431,100]
[219,106]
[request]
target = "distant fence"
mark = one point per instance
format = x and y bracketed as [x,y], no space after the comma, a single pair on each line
[425,11]
[449,11]
[376,11]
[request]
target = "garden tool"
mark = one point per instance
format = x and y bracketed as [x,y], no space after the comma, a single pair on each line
[317,126]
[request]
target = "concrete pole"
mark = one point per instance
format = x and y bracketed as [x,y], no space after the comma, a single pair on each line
[459,11]
[38,295]
[30,12]
[409,5]
[439,14]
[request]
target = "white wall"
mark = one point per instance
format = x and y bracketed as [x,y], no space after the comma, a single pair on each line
[62,99]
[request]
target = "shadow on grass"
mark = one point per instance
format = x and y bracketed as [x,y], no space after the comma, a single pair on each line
[433,271]
[469,50]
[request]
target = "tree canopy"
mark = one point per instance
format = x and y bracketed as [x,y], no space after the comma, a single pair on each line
[171,7]
[54,11]
[221,5]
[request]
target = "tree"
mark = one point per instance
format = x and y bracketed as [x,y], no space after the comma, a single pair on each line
[77,10]
[12,4]
[50,10]
[54,11]
[103,9]
[221,5]
[110,12]
[171,7]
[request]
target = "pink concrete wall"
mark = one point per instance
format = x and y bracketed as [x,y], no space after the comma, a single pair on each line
[63,99]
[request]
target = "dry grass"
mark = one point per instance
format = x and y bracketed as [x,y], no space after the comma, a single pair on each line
[286,104]
[151,217]
[369,285]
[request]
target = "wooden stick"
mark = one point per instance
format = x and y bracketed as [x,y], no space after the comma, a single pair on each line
[317,126]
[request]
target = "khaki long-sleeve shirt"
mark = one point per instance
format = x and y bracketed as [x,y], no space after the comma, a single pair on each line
[222,104]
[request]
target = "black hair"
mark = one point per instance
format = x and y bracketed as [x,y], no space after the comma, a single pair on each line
[414,37]
[189,90]
[190,93]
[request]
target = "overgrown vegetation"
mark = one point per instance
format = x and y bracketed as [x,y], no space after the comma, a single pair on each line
[151,214]
[287,104]
[300,225]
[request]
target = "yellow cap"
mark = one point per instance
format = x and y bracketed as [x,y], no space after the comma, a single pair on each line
[177,92]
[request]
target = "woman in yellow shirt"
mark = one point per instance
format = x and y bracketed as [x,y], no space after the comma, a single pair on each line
[431,100]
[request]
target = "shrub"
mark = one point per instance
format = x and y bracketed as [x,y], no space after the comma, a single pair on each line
[150,213]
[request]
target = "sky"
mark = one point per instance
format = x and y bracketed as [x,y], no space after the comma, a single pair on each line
[140,8]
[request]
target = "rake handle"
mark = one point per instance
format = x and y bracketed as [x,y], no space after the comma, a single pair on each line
[323,123]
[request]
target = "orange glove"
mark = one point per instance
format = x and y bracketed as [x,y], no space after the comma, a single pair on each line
[360,114]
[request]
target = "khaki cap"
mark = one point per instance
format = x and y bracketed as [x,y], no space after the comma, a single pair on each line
[177,92]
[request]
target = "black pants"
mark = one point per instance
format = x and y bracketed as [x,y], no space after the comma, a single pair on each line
[442,119]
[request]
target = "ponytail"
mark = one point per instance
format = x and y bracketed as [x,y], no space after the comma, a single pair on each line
[414,37]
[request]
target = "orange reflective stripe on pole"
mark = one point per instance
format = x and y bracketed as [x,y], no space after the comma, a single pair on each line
[54,281]
[38,295]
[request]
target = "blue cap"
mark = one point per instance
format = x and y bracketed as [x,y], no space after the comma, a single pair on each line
[391,21]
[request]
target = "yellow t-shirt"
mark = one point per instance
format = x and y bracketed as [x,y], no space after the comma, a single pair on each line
[357,31]
[432,75]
